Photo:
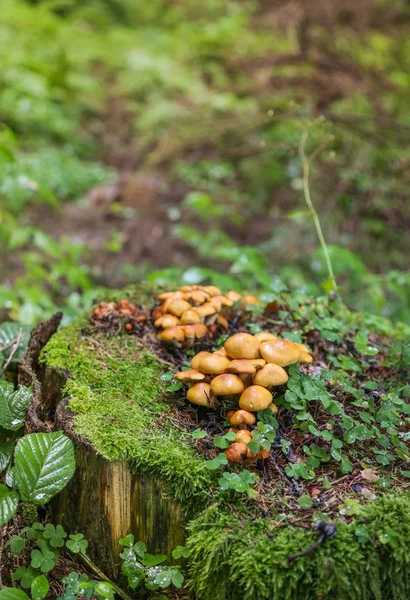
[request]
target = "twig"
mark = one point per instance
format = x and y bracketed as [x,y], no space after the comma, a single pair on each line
[315,217]
[103,576]
[13,351]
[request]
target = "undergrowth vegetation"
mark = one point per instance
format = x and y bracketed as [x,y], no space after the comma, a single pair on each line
[193,114]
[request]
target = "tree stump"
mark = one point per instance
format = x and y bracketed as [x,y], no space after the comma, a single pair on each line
[106,499]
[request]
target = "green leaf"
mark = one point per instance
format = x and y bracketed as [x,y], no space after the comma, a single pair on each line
[151,560]
[77,543]
[127,541]
[104,589]
[9,332]
[6,449]
[177,579]
[254,447]
[17,544]
[39,588]
[140,549]
[8,504]
[44,463]
[13,405]
[305,501]
[13,594]
[221,442]
[198,434]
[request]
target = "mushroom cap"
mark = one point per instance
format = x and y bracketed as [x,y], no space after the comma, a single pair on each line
[222,321]
[236,452]
[178,306]
[224,300]
[220,351]
[190,316]
[281,352]
[263,454]
[226,384]
[166,295]
[242,345]
[167,320]
[270,375]
[212,290]
[241,417]
[265,336]
[205,310]
[197,297]
[245,366]
[244,436]
[248,299]
[197,358]
[189,375]
[255,397]
[305,357]
[272,406]
[200,394]
[172,333]
[214,364]
[195,330]
[234,296]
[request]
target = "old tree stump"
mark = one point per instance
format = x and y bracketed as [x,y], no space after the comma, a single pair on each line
[340,455]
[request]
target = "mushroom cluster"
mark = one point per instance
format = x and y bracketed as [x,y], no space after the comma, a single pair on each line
[187,314]
[244,371]
[107,311]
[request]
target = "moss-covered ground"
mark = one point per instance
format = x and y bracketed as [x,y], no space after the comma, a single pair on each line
[340,453]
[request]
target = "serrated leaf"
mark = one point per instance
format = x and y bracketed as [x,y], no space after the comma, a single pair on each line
[13,594]
[8,504]
[13,405]
[44,463]
[39,588]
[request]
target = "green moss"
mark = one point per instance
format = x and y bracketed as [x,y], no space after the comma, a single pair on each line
[232,556]
[115,391]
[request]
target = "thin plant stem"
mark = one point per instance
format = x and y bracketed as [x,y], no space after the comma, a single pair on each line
[315,217]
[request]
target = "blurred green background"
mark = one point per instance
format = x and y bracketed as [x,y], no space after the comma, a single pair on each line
[160,140]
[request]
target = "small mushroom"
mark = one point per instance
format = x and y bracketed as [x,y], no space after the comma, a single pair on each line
[270,375]
[166,321]
[200,394]
[189,316]
[241,417]
[243,436]
[236,452]
[214,364]
[254,398]
[265,336]
[197,358]
[234,296]
[195,331]
[248,299]
[212,290]
[222,321]
[226,384]
[178,306]
[281,352]
[189,376]
[242,345]
[172,334]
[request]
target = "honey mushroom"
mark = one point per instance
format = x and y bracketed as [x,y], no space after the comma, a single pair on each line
[245,371]
[194,304]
